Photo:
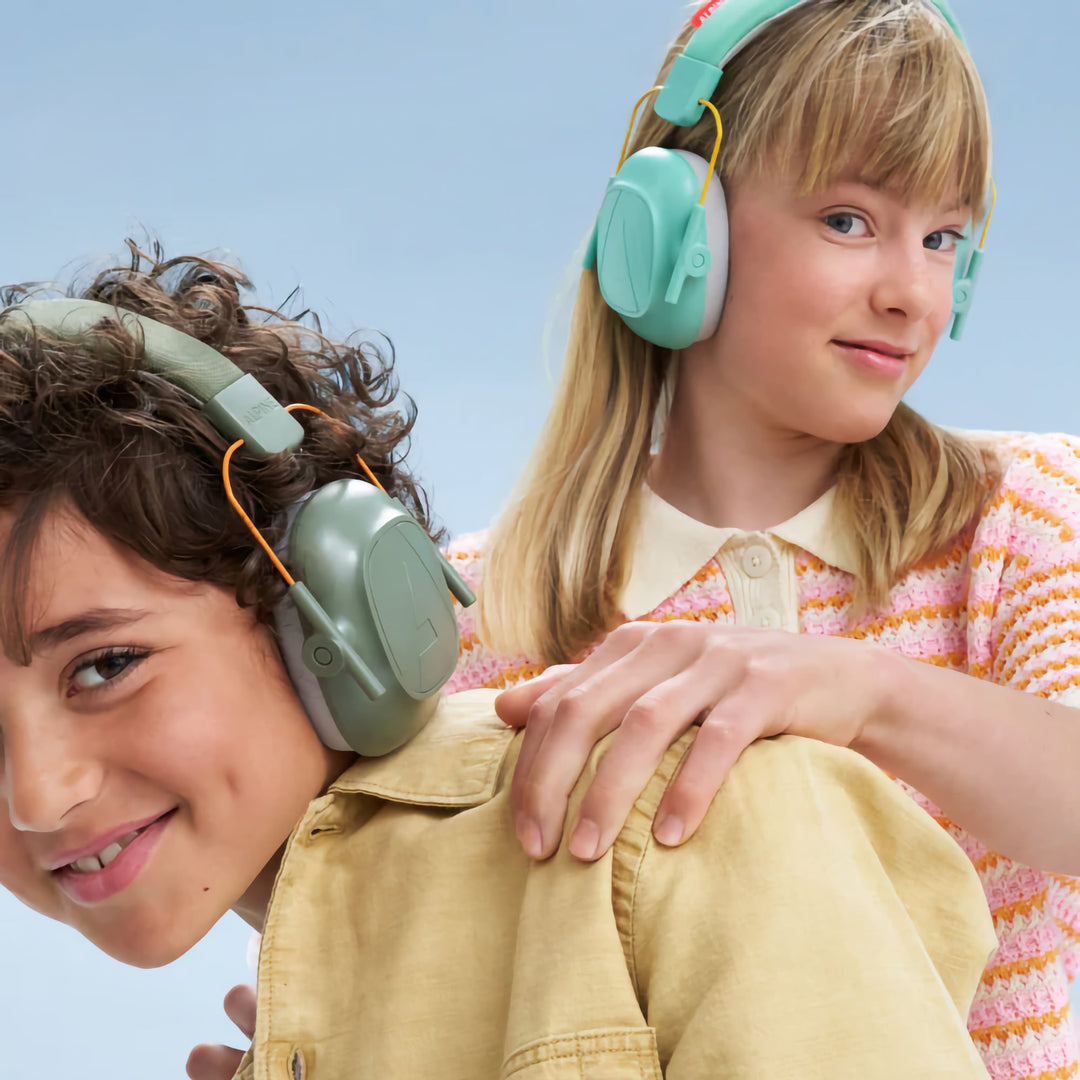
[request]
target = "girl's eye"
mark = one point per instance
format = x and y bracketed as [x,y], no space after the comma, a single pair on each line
[942,240]
[107,667]
[847,223]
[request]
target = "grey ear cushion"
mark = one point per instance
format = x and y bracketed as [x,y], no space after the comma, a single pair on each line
[716,229]
[306,684]
[290,635]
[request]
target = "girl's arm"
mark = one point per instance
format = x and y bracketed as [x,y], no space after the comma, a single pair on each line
[1003,764]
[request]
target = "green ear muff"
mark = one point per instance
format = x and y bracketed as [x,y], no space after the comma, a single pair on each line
[370,612]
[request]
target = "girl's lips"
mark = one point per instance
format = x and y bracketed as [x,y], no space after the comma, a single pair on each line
[874,357]
[98,885]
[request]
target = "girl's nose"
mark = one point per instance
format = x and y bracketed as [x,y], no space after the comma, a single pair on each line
[905,283]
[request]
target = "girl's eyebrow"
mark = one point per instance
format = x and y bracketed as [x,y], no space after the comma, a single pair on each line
[84,623]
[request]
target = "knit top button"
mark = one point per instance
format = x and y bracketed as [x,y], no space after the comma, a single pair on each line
[769,619]
[757,560]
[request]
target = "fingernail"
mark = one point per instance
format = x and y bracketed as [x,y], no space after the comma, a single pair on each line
[668,830]
[585,843]
[528,833]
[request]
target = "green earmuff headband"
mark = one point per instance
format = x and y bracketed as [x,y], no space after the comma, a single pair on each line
[367,630]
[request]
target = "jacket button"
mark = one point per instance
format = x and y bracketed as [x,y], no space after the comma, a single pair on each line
[296,1067]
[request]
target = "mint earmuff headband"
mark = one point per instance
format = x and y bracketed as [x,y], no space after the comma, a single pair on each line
[661,261]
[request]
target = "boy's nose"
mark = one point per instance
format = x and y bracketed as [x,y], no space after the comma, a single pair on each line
[44,781]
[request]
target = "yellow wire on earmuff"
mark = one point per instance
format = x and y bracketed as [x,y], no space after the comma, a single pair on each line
[716,146]
[633,117]
[252,527]
[989,213]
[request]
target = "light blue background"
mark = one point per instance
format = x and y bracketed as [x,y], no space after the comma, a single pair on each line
[426,169]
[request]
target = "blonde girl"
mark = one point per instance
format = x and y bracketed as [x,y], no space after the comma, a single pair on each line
[752,531]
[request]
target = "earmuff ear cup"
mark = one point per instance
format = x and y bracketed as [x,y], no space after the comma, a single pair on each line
[374,595]
[968,260]
[660,256]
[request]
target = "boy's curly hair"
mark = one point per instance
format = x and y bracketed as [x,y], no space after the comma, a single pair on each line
[85,426]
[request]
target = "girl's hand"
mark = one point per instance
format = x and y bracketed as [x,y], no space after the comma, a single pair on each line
[652,681]
[208,1062]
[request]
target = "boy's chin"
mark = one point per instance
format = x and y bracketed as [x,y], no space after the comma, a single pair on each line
[150,946]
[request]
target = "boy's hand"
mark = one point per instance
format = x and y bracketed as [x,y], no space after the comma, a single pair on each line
[207,1062]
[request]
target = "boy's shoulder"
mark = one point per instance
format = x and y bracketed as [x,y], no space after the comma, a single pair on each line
[455,760]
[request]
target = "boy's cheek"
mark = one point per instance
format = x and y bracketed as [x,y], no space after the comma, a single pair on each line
[19,874]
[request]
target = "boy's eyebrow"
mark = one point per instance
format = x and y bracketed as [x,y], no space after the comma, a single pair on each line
[83,623]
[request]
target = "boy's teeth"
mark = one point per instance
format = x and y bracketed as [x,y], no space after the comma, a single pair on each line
[109,854]
[90,864]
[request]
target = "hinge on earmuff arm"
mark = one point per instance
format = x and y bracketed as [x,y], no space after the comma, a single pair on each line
[326,652]
[964,293]
[694,258]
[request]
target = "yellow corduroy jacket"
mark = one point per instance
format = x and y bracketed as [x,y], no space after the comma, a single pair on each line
[819,926]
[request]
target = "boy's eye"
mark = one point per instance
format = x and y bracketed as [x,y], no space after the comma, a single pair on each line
[942,240]
[847,223]
[98,671]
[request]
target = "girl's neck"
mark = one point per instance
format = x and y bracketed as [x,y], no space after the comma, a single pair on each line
[723,464]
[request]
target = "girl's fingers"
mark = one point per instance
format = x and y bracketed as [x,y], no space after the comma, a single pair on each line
[213,1062]
[512,706]
[541,717]
[240,1008]
[620,692]
[726,731]
[651,724]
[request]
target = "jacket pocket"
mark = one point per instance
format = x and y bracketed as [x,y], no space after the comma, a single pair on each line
[617,1053]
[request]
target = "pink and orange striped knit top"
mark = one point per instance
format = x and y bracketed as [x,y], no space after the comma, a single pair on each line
[1003,604]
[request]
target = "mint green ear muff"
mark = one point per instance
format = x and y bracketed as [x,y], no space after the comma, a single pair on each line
[968,263]
[367,629]
[660,247]
[660,252]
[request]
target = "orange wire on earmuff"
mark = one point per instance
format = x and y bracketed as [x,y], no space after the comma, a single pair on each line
[716,146]
[252,527]
[363,464]
[289,579]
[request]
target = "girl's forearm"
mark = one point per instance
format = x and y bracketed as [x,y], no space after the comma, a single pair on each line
[1002,764]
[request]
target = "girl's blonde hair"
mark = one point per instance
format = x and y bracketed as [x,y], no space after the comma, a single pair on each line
[885,84]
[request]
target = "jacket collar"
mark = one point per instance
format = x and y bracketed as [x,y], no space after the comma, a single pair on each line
[672,547]
[454,761]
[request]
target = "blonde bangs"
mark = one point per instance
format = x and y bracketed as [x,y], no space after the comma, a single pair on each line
[886,86]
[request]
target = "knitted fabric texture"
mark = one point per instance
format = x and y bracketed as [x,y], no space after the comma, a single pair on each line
[1003,604]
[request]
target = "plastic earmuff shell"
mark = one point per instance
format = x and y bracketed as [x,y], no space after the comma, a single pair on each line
[661,256]
[381,591]
[968,261]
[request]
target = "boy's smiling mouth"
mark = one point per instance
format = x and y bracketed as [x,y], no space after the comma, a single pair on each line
[110,862]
